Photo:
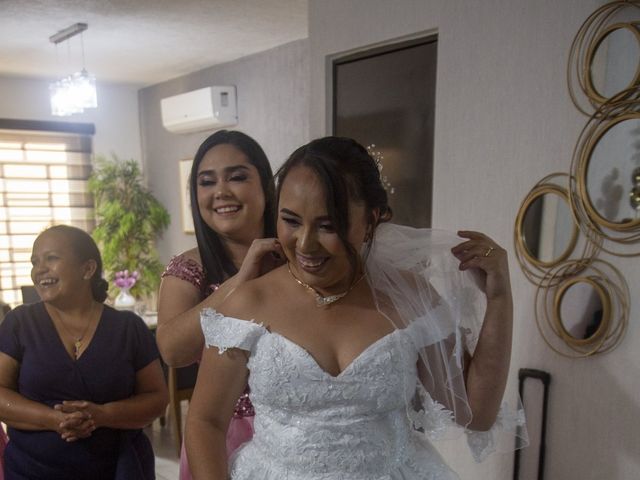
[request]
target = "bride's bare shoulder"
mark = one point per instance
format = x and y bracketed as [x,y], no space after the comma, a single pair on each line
[253,297]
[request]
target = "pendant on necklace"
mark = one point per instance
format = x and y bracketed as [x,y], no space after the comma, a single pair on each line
[324,301]
[76,348]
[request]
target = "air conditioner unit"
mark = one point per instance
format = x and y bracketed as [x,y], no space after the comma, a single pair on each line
[208,108]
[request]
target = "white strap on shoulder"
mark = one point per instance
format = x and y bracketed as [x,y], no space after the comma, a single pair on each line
[228,332]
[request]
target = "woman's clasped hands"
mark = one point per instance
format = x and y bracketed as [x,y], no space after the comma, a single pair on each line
[75,419]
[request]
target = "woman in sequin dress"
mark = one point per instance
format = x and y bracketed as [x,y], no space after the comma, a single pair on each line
[3,443]
[232,198]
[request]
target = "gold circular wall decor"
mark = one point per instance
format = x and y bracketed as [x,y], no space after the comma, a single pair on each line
[594,32]
[601,310]
[545,233]
[581,304]
[620,236]
[589,328]
[592,91]
[583,172]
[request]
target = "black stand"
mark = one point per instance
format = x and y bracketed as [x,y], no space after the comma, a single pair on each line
[545,378]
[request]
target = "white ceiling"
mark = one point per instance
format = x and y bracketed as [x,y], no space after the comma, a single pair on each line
[142,41]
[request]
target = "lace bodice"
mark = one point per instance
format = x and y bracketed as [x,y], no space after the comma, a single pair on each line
[310,425]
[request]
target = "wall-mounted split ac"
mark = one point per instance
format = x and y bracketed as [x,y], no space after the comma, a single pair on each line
[209,108]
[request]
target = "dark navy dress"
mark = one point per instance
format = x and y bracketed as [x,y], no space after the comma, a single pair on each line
[105,372]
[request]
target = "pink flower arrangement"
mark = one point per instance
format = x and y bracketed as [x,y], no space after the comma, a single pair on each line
[124,279]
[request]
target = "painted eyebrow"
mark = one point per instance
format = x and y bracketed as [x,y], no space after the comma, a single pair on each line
[289,212]
[324,218]
[226,170]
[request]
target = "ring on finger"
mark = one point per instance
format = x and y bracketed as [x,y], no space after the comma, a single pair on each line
[489,251]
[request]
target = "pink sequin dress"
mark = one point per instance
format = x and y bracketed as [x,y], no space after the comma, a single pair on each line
[241,425]
[3,443]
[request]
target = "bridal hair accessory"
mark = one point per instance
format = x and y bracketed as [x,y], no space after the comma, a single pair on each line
[378,158]
[321,300]
[488,252]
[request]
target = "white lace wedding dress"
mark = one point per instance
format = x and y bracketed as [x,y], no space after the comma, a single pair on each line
[310,425]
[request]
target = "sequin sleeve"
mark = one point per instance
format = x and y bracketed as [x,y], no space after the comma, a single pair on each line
[190,271]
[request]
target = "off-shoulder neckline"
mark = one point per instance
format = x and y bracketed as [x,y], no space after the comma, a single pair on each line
[357,359]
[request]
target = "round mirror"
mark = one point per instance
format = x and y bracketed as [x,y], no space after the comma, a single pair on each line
[582,310]
[546,227]
[609,173]
[614,61]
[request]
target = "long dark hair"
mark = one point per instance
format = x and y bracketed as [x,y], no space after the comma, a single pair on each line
[84,248]
[346,172]
[215,260]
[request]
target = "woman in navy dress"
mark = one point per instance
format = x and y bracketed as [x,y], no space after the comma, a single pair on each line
[78,379]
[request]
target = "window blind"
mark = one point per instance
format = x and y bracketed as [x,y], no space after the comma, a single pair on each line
[43,181]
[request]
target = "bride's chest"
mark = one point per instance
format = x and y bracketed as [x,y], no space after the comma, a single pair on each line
[285,376]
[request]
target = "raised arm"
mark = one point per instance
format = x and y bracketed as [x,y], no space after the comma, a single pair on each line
[487,371]
[179,335]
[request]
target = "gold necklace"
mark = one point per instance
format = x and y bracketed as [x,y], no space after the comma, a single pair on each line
[321,300]
[77,344]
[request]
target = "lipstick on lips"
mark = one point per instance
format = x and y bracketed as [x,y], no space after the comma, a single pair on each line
[227,209]
[310,264]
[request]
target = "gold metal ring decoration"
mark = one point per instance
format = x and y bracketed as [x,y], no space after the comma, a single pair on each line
[601,328]
[598,27]
[599,66]
[533,266]
[620,236]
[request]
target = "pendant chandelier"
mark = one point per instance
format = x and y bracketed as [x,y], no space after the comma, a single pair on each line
[76,92]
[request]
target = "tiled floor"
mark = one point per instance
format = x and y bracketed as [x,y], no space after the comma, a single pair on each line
[167,459]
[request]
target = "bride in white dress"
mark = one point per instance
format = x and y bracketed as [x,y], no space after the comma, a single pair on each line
[371,341]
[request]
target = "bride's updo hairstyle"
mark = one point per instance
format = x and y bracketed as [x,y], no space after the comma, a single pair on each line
[347,173]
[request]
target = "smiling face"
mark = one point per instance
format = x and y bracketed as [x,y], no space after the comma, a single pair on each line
[230,196]
[316,254]
[59,277]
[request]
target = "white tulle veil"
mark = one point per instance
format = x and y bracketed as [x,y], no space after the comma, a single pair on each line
[417,285]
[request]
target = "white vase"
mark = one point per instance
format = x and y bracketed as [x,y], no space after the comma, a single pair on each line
[124,300]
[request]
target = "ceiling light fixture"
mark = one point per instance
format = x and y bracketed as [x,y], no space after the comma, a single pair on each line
[76,92]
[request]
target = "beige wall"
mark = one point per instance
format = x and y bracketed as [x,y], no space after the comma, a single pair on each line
[504,120]
[273,107]
[115,119]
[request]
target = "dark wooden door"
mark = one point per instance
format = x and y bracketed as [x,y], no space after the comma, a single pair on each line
[386,97]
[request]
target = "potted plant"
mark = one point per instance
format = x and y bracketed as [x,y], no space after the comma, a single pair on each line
[129,220]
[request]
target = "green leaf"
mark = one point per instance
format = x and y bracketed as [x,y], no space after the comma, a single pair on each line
[129,220]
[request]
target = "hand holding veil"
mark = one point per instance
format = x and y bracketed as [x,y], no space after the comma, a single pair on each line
[417,284]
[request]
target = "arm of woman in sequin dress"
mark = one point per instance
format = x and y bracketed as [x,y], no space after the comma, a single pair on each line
[180,302]
[178,333]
